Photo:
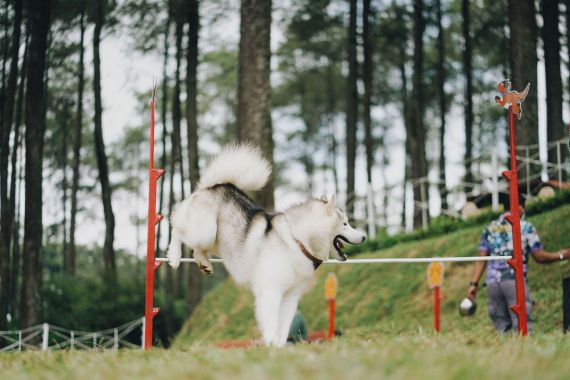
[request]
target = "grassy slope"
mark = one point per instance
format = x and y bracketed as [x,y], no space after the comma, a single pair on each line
[392,299]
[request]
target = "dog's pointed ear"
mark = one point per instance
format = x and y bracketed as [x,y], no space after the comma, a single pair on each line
[323,198]
[332,202]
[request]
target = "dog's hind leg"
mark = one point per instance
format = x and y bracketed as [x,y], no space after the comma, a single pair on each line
[198,225]
[174,251]
[286,315]
[204,263]
[267,303]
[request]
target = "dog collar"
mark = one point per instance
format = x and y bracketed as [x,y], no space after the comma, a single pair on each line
[316,262]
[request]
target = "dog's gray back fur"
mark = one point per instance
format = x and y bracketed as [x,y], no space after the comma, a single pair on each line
[230,194]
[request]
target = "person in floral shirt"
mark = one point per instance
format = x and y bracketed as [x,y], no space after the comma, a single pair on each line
[497,240]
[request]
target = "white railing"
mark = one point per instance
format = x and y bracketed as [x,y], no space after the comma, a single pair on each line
[530,168]
[49,337]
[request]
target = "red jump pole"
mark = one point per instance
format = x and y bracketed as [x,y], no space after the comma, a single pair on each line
[436,309]
[515,220]
[331,318]
[152,220]
[331,285]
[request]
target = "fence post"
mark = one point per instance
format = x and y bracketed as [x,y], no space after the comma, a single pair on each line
[45,336]
[20,340]
[72,341]
[94,340]
[115,339]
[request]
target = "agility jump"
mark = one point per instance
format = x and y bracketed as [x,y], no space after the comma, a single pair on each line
[378,260]
[515,261]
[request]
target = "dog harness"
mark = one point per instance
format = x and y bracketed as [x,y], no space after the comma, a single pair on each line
[316,262]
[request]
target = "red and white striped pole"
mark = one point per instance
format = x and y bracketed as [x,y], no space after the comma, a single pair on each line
[153,219]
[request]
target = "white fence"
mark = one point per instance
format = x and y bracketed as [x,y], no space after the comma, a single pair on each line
[487,168]
[49,337]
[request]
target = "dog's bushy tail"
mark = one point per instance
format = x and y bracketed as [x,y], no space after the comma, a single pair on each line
[242,165]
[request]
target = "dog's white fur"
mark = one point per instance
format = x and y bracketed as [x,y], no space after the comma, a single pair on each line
[266,258]
[240,165]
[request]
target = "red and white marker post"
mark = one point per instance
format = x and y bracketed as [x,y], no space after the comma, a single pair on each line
[331,285]
[435,281]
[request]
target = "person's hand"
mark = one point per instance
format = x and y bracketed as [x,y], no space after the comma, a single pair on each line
[472,292]
[565,253]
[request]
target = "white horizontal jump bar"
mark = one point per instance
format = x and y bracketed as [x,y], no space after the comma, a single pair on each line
[383,261]
[187,260]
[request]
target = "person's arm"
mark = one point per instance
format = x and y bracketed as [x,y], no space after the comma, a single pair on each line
[543,257]
[478,270]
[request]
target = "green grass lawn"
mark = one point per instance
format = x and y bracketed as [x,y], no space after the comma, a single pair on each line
[359,356]
[385,313]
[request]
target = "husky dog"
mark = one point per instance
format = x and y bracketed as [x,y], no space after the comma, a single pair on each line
[274,254]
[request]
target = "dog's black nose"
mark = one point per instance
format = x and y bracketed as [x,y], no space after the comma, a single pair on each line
[363,238]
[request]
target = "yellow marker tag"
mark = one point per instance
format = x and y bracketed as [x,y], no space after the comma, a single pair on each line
[435,274]
[331,285]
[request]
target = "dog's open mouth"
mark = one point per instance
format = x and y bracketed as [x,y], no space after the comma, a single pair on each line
[339,245]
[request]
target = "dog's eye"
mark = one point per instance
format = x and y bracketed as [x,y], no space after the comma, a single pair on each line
[346,224]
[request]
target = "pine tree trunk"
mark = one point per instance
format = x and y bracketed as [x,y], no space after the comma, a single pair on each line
[16,186]
[169,286]
[254,86]
[523,32]
[442,105]
[418,162]
[568,49]
[6,212]
[331,96]
[192,92]
[367,79]
[351,110]
[39,12]
[367,25]
[108,250]
[551,37]
[64,182]
[163,116]
[306,158]
[69,266]
[468,72]
[406,119]
[5,53]
[194,277]
[16,261]
[176,133]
